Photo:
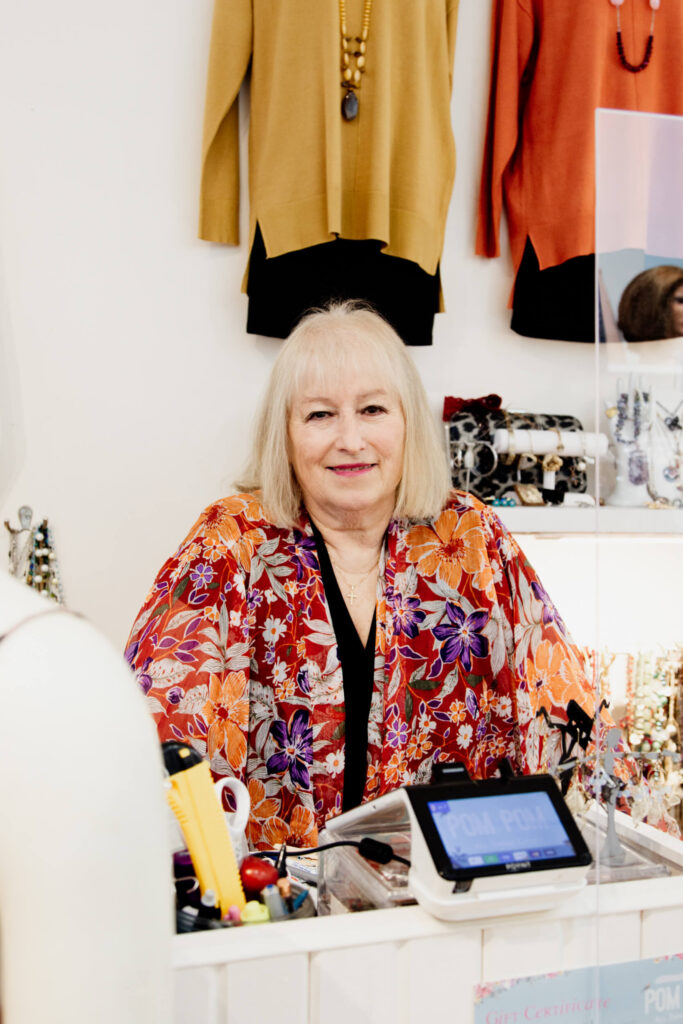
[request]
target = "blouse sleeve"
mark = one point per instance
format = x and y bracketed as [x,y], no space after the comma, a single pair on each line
[546,668]
[189,647]
[512,37]
[451,29]
[229,56]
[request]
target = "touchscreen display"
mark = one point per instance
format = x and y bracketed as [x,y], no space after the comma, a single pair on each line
[484,831]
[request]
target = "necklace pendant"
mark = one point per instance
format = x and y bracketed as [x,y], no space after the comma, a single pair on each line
[352,594]
[349,107]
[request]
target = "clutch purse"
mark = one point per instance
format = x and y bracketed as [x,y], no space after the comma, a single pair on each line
[486,460]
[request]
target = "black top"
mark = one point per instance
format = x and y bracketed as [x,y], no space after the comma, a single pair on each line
[282,288]
[357,664]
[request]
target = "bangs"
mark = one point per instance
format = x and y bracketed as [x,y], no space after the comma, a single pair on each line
[327,356]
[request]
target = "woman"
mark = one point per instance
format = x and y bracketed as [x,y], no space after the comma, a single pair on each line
[651,305]
[346,621]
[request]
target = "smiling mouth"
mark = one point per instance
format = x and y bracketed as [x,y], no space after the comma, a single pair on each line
[352,468]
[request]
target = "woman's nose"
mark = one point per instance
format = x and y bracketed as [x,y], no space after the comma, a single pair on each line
[350,434]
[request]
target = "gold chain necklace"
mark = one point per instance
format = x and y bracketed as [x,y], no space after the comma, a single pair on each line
[351,596]
[351,76]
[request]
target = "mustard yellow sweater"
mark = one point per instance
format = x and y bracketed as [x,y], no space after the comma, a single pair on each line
[386,175]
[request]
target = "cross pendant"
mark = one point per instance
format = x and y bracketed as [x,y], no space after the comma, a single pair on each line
[352,593]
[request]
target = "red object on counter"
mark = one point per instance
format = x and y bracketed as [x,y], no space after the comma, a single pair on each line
[256,873]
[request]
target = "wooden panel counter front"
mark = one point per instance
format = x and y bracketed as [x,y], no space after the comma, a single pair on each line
[402,966]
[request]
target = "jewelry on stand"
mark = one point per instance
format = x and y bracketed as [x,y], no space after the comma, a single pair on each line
[508,457]
[580,463]
[638,472]
[352,76]
[463,457]
[674,432]
[20,543]
[635,68]
[32,556]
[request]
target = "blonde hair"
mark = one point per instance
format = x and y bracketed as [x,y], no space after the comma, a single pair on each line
[323,345]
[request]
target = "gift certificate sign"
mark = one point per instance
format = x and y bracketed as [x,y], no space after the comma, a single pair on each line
[638,992]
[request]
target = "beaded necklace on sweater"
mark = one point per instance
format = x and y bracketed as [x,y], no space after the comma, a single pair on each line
[654,6]
[351,77]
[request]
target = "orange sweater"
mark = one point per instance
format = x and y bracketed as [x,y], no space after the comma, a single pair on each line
[553,63]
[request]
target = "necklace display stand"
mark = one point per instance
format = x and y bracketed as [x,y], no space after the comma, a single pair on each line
[630,424]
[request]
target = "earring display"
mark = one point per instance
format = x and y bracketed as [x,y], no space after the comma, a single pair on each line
[32,556]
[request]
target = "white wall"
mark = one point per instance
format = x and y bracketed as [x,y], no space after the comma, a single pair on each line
[128,381]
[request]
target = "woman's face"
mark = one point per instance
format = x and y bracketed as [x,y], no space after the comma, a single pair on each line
[346,440]
[676,310]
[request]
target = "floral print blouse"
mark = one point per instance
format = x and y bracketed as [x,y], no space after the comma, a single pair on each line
[235,651]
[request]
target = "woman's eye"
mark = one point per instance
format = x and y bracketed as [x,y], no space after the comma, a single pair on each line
[318,414]
[373,410]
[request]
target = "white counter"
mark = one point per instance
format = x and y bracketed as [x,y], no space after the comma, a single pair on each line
[402,966]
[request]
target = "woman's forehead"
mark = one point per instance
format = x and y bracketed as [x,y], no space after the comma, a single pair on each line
[351,372]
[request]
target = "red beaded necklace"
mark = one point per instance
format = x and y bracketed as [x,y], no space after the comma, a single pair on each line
[654,5]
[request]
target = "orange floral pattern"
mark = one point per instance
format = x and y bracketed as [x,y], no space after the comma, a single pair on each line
[227,714]
[237,656]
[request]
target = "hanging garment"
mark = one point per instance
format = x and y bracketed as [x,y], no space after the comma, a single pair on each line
[283,287]
[386,176]
[553,63]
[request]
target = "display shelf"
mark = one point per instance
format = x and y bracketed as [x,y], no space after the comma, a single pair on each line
[603,520]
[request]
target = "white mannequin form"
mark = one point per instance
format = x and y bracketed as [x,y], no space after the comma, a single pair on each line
[86,893]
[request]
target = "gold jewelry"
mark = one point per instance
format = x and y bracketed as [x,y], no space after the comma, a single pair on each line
[559,447]
[351,76]
[526,461]
[551,462]
[511,454]
[351,596]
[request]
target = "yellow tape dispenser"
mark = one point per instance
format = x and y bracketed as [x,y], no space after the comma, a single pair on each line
[194,802]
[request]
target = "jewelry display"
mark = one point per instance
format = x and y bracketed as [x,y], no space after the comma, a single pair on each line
[507,448]
[665,484]
[630,421]
[587,766]
[635,68]
[466,454]
[352,76]
[652,728]
[32,556]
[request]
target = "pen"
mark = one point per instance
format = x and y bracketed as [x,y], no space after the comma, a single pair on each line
[281,862]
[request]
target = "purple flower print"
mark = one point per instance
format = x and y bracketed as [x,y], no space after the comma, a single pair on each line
[144,679]
[397,734]
[295,748]
[406,612]
[302,680]
[131,651]
[303,553]
[201,575]
[471,703]
[550,612]
[175,695]
[254,599]
[462,636]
